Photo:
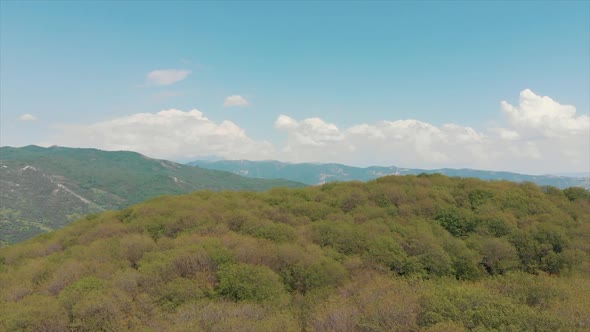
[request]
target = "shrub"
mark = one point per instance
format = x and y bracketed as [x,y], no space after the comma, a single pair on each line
[98,311]
[34,313]
[576,193]
[75,292]
[320,273]
[458,222]
[343,237]
[244,282]
[498,255]
[269,230]
[134,246]
[179,291]
[386,251]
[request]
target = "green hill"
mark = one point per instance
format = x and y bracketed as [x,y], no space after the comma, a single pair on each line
[401,253]
[46,188]
[315,173]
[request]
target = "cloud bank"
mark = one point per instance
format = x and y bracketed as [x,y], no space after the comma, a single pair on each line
[539,135]
[169,134]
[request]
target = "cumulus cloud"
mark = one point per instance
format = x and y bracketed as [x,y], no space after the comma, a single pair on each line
[27,117]
[309,132]
[166,76]
[170,134]
[506,134]
[410,142]
[544,116]
[540,136]
[285,122]
[235,100]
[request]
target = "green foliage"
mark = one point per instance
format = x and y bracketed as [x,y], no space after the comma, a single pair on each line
[478,309]
[494,224]
[219,253]
[126,215]
[498,255]
[313,274]
[243,282]
[179,291]
[222,316]
[457,221]
[34,313]
[386,251]
[75,292]
[134,246]
[575,193]
[269,230]
[343,237]
[98,311]
[426,253]
[479,197]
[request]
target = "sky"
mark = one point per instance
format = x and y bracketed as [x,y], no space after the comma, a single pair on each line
[486,85]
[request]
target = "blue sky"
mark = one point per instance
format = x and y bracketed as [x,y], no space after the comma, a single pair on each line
[330,67]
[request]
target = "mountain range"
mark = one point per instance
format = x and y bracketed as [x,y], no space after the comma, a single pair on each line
[316,173]
[42,189]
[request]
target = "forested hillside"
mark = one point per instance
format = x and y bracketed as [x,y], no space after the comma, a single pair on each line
[42,189]
[409,253]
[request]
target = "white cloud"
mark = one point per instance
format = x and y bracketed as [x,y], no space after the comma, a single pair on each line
[506,134]
[539,136]
[166,76]
[543,115]
[235,100]
[27,117]
[385,142]
[285,122]
[170,134]
[309,132]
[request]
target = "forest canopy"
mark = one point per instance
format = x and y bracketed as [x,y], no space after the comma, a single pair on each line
[399,253]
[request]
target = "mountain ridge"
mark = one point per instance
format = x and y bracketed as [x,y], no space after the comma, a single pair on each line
[319,173]
[45,188]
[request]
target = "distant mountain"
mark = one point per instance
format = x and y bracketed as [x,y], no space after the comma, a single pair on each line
[312,173]
[42,189]
[575,175]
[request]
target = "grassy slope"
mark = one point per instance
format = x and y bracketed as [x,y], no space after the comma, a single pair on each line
[62,184]
[426,253]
